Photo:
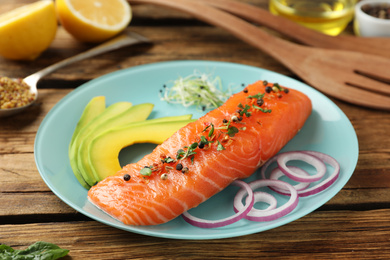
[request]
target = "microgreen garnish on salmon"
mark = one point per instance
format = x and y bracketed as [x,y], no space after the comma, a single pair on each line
[265,110]
[257,96]
[220,147]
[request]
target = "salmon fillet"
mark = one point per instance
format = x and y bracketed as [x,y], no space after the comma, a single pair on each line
[241,135]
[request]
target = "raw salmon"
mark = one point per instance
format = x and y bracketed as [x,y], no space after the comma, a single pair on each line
[205,156]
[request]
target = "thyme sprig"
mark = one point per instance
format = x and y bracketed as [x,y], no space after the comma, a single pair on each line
[265,110]
[257,96]
[244,110]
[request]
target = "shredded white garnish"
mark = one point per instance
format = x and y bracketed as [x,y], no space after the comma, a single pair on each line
[199,89]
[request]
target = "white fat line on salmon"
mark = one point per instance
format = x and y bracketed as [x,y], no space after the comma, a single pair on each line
[160,216]
[147,211]
[223,166]
[217,172]
[211,182]
[196,193]
[136,214]
[181,203]
[132,215]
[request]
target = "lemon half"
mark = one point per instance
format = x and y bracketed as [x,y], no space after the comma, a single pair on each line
[93,20]
[27,31]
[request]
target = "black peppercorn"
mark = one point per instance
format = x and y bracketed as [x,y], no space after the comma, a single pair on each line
[268,89]
[126,177]
[179,166]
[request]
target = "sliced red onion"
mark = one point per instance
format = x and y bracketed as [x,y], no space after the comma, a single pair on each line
[276,173]
[320,166]
[266,198]
[229,220]
[326,182]
[317,159]
[257,215]
[266,165]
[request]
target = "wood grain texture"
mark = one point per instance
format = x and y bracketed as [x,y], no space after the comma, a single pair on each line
[353,224]
[322,235]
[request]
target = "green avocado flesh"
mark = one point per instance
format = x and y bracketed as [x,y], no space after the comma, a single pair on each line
[102,132]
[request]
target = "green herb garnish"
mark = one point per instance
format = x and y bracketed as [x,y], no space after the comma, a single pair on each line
[211,132]
[38,250]
[204,141]
[220,147]
[257,96]
[198,89]
[168,160]
[181,154]
[265,110]
[146,171]
[245,111]
[232,131]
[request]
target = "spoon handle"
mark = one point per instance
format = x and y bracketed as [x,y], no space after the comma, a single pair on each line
[125,39]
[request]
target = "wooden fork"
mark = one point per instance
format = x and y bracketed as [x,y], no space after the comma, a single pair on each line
[353,77]
[373,45]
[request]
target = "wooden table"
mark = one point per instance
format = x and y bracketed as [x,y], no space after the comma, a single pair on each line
[354,224]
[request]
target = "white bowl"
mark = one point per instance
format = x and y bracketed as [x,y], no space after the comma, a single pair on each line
[369,26]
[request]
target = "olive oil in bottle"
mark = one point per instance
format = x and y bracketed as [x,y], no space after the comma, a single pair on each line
[327,16]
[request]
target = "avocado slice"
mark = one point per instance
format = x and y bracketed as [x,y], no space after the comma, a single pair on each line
[95,107]
[109,112]
[105,148]
[133,114]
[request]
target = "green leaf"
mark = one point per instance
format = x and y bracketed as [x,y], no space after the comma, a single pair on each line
[257,96]
[211,132]
[245,111]
[232,131]
[220,147]
[265,110]
[193,146]
[37,251]
[168,160]
[146,171]
[180,153]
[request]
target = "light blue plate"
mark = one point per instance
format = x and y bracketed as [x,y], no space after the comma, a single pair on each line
[327,130]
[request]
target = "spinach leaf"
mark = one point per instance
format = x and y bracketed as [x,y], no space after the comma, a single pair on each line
[37,251]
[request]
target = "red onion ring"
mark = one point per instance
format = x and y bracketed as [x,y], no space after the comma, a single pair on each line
[256,215]
[317,159]
[229,220]
[266,198]
[277,173]
[283,158]
[326,182]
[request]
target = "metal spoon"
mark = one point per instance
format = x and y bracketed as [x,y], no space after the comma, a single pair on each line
[125,39]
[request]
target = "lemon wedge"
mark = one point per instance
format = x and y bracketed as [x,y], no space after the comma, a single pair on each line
[27,31]
[93,20]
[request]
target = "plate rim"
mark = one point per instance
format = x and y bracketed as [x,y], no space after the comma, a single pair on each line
[91,83]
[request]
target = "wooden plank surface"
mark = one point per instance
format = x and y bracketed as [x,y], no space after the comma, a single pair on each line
[353,224]
[322,235]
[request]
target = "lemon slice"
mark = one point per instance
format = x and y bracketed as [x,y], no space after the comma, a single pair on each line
[27,31]
[93,20]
